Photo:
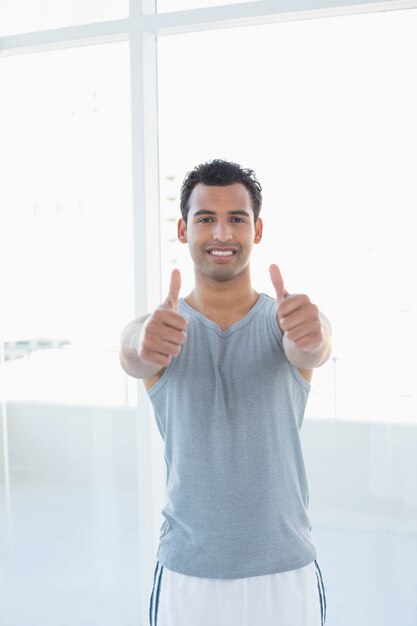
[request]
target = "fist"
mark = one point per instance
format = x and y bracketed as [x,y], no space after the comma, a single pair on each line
[297,317]
[163,332]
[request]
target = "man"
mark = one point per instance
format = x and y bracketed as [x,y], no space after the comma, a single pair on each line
[228,372]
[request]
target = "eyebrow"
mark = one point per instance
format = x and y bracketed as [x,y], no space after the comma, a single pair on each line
[207,212]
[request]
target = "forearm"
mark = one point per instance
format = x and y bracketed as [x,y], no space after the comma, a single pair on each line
[304,359]
[128,354]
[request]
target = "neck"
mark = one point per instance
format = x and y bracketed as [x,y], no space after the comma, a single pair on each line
[209,295]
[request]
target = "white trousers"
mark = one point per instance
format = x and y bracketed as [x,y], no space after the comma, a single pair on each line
[294,598]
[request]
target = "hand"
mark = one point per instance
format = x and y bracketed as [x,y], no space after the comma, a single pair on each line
[163,332]
[297,317]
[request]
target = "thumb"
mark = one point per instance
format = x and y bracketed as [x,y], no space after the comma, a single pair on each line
[174,291]
[278,282]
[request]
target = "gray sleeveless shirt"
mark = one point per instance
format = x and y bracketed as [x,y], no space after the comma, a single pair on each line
[229,409]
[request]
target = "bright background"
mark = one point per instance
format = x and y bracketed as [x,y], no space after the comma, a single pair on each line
[331,132]
[324,111]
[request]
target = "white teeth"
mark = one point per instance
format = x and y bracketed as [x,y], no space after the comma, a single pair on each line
[221,252]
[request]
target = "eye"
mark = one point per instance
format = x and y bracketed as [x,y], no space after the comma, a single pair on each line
[204,220]
[237,219]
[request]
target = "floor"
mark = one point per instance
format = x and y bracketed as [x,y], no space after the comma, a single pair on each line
[70,558]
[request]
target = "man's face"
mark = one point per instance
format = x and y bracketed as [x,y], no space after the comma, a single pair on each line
[220,230]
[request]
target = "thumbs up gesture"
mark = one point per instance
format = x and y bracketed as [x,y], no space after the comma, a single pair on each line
[163,332]
[297,317]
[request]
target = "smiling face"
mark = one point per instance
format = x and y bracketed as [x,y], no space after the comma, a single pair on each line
[220,230]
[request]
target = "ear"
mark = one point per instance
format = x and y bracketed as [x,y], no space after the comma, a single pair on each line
[182,231]
[258,230]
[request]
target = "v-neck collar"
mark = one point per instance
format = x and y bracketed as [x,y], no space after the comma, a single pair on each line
[235,326]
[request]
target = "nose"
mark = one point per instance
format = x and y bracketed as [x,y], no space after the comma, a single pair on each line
[222,231]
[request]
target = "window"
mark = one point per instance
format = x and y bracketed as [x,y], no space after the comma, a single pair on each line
[69,479]
[330,129]
[331,132]
[67,275]
[21,16]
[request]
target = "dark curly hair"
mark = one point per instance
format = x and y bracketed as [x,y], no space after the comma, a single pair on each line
[221,173]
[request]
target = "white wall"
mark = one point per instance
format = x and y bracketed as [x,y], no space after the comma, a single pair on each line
[361,474]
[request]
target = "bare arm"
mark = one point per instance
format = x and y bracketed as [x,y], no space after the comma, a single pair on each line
[129,351]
